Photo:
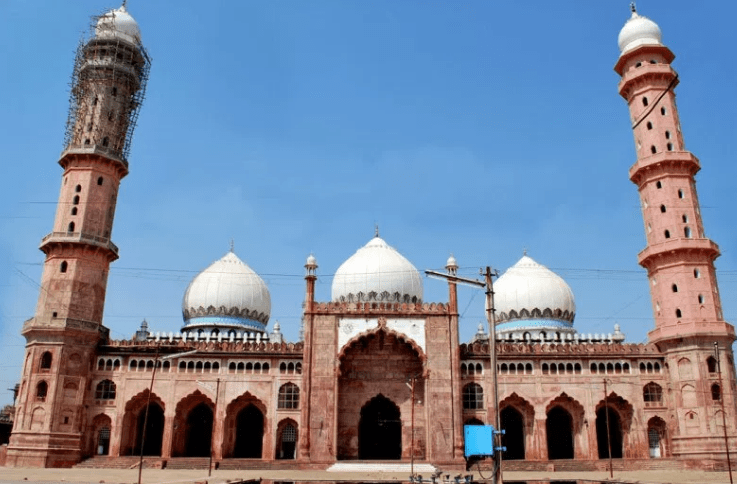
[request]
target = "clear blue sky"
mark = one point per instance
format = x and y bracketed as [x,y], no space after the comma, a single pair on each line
[473,127]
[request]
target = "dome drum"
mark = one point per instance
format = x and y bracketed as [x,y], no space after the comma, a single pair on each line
[231,314]
[373,296]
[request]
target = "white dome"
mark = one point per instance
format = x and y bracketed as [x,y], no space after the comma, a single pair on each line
[228,293]
[529,290]
[377,272]
[118,24]
[639,31]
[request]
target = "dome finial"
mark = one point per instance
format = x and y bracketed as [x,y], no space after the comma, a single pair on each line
[633,7]
[376,230]
[524,250]
[232,245]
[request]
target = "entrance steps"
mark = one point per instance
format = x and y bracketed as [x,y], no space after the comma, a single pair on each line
[188,463]
[374,466]
[125,462]
[571,465]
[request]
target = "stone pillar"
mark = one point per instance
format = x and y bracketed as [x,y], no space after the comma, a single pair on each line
[166,441]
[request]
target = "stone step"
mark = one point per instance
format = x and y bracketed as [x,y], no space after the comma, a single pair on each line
[374,466]
[188,463]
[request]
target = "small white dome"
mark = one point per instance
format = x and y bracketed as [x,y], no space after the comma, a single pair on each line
[118,24]
[228,293]
[377,272]
[639,31]
[452,262]
[529,290]
[311,261]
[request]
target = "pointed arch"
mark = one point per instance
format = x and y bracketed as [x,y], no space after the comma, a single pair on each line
[564,421]
[287,437]
[380,430]
[133,424]
[517,418]
[193,423]
[381,331]
[245,422]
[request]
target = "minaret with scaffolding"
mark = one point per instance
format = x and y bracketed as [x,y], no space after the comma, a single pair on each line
[107,89]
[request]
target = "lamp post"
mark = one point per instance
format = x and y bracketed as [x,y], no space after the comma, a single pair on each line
[148,400]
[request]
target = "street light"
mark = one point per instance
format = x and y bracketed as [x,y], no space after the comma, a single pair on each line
[148,401]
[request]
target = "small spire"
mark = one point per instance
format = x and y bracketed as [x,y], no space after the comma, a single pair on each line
[232,245]
[524,251]
[633,7]
[122,7]
[376,230]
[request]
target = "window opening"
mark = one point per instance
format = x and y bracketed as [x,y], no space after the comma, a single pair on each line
[701,299]
[716,392]
[71,227]
[644,101]
[652,393]
[670,146]
[99,181]
[658,185]
[75,200]
[696,274]
[667,234]
[653,150]
[687,232]
[288,396]
[662,208]
[667,135]
[678,313]
[649,125]
[46,360]
[675,288]
[662,111]
[473,397]
[684,218]
[74,210]
[105,390]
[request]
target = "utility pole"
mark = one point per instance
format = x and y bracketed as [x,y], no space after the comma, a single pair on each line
[491,320]
[217,394]
[724,417]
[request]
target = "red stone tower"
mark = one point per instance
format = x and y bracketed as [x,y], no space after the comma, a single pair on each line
[679,257]
[109,78]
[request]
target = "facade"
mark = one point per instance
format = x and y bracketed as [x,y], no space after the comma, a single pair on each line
[379,374]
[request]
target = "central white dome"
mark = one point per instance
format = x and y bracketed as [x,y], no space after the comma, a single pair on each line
[377,272]
[529,290]
[228,293]
[118,24]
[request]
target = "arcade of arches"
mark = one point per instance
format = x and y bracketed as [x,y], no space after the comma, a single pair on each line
[194,431]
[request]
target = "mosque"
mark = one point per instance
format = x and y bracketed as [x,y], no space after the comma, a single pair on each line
[379,374]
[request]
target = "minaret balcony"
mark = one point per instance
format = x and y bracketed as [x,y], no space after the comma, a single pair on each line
[664,163]
[74,153]
[79,238]
[678,251]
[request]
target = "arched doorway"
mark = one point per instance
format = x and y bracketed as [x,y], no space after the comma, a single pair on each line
[514,433]
[559,430]
[154,430]
[380,430]
[286,441]
[198,435]
[656,437]
[249,433]
[614,436]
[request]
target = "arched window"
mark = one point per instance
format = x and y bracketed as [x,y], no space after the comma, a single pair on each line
[681,194]
[105,141]
[667,135]
[716,392]
[662,208]
[653,149]
[684,218]
[674,287]
[101,364]
[105,390]
[649,125]
[545,368]
[687,232]
[473,397]
[282,367]
[41,389]
[696,273]
[78,188]
[593,367]
[231,367]
[288,396]
[667,234]
[71,227]
[663,111]
[652,393]
[678,313]
[46,360]
[99,180]
[658,185]
[644,101]
[711,364]
[74,210]
[63,266]
[75,200]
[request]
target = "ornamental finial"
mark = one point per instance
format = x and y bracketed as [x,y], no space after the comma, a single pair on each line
[524,251]
[376,230]
[232,245]
[633,7]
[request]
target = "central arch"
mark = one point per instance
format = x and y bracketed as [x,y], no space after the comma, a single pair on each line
[249,433]
[380,430]
[133,424]
[614,433]
[559,429]
[193,426]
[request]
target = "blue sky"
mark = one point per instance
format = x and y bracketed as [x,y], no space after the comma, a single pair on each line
[477,128]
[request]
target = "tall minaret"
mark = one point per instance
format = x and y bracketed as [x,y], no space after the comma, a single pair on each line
[679,258]
[109,78]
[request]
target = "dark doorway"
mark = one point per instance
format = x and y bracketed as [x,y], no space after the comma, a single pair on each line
[154,430]
[287,442]
[615,433]
[514,434]
[559,430]
[249,433]
[380,430]
[103,441]
[198,436]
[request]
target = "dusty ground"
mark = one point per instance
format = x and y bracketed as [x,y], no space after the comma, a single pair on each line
[152,476]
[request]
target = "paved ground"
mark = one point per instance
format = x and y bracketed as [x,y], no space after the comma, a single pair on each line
[155,476]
